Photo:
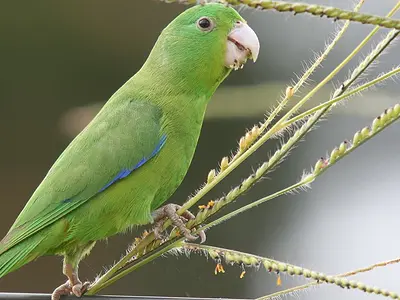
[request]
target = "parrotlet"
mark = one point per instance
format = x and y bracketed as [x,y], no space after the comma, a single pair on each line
[135,153]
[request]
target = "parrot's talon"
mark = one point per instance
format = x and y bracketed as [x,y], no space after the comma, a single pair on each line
[203,237]
[73,286]
[63,290]
[79,289]
[169,211]
[187,234]
[66,289]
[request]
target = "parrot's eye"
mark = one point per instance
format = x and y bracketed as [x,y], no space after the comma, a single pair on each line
[205,24]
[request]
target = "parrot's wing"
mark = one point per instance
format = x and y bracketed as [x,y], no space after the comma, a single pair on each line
[121,139]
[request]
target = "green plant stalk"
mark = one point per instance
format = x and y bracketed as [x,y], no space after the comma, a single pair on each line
[174,243]
[274,160]
[282,104]
[386,119]
[277,126]
[315,283]
[373,55]
[150,238]
[146,242]
[139,263]
[242,259]
[106,279]
[308,72]
[292,90]
[247,183]
[341,97]
[110,276]
[356,73]
[315,10]
[368,60]
[337,154]
[279,154]
[205,189]
[340,66]
[129,266]
[283,151]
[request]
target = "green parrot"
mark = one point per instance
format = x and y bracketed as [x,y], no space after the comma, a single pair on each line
[135,153]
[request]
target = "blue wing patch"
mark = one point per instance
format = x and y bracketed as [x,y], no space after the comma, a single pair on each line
[125,172]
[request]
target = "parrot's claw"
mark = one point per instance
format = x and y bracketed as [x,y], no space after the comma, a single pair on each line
[78,289]
[169,211]
[64,289]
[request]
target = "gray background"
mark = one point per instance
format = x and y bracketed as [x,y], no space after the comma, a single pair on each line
[61,60]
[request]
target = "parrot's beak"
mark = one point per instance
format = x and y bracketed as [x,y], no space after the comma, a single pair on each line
[242,44]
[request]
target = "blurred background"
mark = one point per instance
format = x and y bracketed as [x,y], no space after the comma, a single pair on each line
[60,61]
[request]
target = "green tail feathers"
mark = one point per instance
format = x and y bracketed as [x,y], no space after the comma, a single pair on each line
[17,256]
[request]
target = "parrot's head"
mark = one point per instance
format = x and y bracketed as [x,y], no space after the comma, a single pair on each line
[215,30]
[204,43]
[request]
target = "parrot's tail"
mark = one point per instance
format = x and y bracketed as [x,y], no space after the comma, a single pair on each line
[19,255]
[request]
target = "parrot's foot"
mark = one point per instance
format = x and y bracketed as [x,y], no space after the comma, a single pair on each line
[169,211]
[76,287]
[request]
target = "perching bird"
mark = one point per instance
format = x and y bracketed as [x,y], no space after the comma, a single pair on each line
[135,153]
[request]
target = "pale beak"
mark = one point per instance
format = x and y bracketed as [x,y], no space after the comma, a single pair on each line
[242,43]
